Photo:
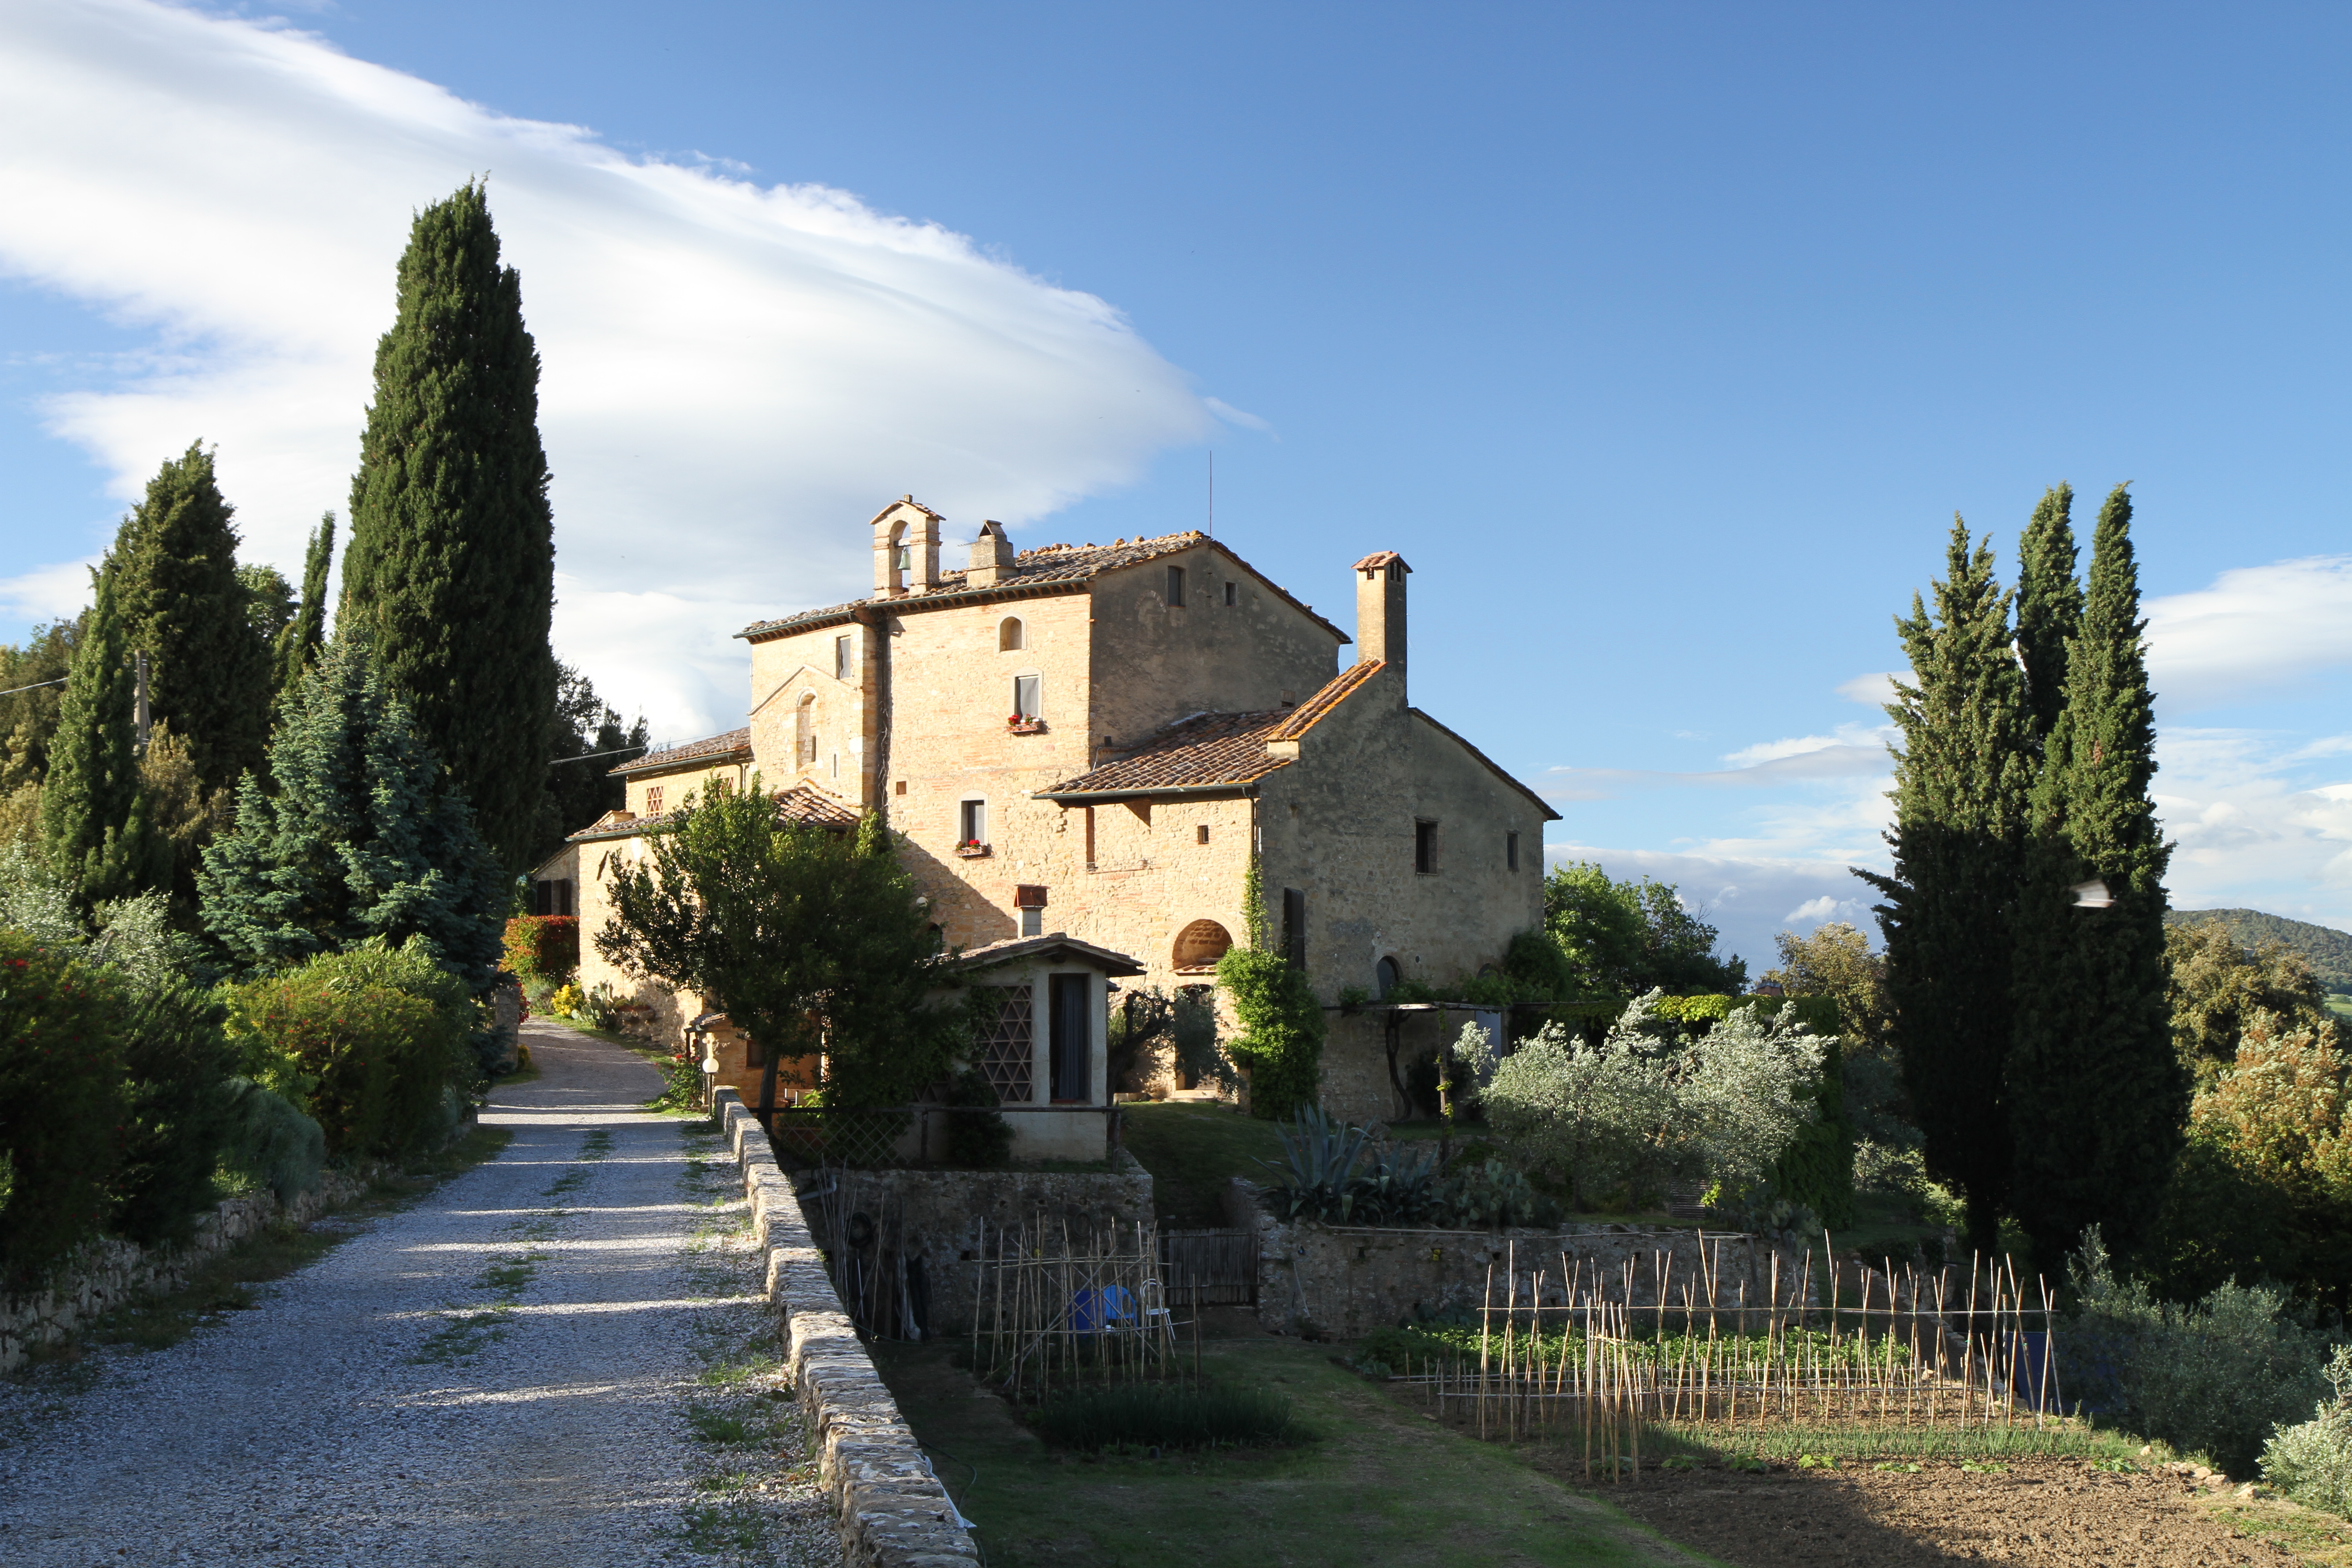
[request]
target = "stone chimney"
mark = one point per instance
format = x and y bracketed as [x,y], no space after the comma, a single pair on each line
[906,548]
[992,557]
[1380,609]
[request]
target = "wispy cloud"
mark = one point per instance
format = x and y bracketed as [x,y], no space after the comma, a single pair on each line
[1233,415]
[2255,629]
[735,375]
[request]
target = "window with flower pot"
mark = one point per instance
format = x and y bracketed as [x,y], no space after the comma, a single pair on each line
[972,823]
[1028,704]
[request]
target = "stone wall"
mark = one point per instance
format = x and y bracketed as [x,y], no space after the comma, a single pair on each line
[892,1509]
[107,1273]
[950,1220]
[1346,1281]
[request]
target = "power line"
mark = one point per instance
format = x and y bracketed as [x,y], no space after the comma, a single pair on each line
[559,762]
[12,692]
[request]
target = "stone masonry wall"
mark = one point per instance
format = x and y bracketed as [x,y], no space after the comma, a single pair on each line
[951,1219]
[1346,1281]
[893,1512]
[107,1273]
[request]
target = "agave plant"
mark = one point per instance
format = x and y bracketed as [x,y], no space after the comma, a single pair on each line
[1319,1161]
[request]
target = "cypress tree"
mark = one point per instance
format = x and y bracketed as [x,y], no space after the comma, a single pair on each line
[2097,1096]
[1962,777]
[177,589]
[298,644]
[359,836]
[2049,605]
[96,827]
[452,556]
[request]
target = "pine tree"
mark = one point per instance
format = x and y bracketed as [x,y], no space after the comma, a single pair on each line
[1962,782]
[95,825]
[183,606]
[2048,606]
[298,644]
[2096,1094]
[360,835]
[452,555]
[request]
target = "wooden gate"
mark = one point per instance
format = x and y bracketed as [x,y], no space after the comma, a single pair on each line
[1210,1268]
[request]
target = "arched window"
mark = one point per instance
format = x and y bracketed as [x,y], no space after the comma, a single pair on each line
[1012,637]
[1201,945]
[1385,976]
[804,731]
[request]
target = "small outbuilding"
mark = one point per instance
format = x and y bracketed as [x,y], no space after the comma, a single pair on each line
[1048,1054]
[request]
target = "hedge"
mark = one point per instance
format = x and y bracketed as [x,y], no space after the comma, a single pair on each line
[61,1105]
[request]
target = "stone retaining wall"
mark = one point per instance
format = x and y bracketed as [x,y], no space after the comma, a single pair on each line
[947,1221]
[892,1510]
[1346,1281]
[107,1273]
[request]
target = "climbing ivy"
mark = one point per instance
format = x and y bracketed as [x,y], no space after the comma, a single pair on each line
[1281,1043]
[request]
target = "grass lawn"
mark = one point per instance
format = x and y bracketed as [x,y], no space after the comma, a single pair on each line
[1383,1485]
[1192,1150]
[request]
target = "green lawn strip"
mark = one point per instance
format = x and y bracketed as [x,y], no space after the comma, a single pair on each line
[227,1280]
[1381,1485]
[1193,1151]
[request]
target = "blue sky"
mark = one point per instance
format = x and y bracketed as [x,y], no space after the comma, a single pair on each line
[1663,341]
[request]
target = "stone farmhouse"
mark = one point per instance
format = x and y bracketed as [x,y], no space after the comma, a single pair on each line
[1091,741]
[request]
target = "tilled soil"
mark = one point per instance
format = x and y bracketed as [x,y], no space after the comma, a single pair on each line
[2053,1512]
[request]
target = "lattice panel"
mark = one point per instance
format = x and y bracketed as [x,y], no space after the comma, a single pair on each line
[1008,1055]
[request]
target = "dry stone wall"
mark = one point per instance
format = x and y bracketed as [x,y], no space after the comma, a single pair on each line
[107,1273]
[1346,1281]
[893,1512]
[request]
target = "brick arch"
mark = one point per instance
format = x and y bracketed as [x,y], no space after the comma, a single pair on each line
[1201,945]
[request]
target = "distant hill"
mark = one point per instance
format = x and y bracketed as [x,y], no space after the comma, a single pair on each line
[2327,950]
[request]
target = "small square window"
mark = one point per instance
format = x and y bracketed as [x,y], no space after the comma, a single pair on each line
[1230,592]
[1510,851]
[898,788]
[1175,587]
[841,658]
[1424,846]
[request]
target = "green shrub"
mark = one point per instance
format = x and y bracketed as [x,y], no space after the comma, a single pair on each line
[271,1141]
[1151,1414]
[461,1030]
[181,1111]
[2213,1378]
[977,1138]
[369,1061]
[61,1104]
[2312,1462]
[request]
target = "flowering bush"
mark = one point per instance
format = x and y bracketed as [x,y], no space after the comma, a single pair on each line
[62,1108]
[542,948]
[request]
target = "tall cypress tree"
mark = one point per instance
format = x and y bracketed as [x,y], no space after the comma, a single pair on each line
[359,836]
[2097,1097]
[1961,781]
[452,561]
[298,644]
[176,588]
[95,825]
[2049,605]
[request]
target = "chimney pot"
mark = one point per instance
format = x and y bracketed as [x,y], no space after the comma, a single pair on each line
[1380,609]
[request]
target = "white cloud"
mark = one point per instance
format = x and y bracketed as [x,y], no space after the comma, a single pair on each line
[2255,628]
[735,376]
[1875,689]
[48,593]
[2258,819]
[1233,415]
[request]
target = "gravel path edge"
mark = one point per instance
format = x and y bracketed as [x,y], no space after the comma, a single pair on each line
[893,1512]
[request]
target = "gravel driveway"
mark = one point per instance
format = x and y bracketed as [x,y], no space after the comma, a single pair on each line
[559,1357]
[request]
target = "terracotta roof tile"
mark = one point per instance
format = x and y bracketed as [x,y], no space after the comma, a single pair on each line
[1202,751]
[1046,568]
[1336,690]
[689,752]
[802,803]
